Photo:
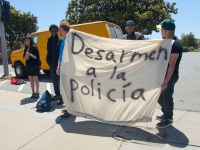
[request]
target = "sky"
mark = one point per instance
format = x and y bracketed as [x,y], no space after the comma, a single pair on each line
[53,11]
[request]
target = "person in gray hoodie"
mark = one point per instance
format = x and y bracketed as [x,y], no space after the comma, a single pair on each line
[130,30]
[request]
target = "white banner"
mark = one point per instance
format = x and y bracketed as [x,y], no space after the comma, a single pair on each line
[112,80]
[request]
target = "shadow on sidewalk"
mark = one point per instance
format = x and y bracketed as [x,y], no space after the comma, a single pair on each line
[148,136]
[86,127]
[174,137]
[154,137]
[28,100]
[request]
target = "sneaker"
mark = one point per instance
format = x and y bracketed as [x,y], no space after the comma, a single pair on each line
[160,117]
[164,123]
[60,102]
[56,98]
[32,96]
[66,115]
[36,95]
[64,110]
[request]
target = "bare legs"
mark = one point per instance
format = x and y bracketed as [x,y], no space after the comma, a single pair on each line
[34,81]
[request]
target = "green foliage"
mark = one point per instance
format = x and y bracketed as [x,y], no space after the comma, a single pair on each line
[194,50]
[185,49]
[145,13]
[21,24]
[189,40]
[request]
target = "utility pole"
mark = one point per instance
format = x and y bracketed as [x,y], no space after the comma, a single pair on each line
[3,44]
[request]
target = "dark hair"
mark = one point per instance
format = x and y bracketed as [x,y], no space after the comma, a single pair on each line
[53,26]
[32,44]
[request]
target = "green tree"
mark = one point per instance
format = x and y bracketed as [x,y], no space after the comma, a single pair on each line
[145,13]
[189,40]
[21,24]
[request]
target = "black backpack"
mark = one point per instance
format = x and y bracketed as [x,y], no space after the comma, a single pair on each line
[43,105]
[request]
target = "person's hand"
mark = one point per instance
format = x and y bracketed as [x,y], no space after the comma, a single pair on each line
[58,71]
[164,85]
[28,54]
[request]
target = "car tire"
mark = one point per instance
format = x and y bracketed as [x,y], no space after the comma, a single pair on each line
[46,71]
[20,70]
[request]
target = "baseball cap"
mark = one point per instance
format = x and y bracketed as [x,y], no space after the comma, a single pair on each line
[167,24]
[130,22]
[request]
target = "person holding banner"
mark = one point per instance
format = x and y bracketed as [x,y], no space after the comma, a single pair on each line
[64,29]
[166,98]
[131,34]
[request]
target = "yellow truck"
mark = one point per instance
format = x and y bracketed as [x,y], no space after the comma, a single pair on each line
[99,28]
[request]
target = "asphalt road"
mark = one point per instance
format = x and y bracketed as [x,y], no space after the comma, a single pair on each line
[187,89]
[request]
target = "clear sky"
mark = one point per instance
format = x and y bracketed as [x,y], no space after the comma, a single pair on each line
[53,11]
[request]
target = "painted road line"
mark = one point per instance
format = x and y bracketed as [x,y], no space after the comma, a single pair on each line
[21,87]
[3,82]
[49,87]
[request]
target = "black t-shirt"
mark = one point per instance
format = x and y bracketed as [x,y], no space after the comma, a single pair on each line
[177,48]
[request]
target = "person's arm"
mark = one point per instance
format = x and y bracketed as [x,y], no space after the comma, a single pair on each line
[60,56]
[58,69]
[48,53]
[34,54]
[24,53]
[172,63]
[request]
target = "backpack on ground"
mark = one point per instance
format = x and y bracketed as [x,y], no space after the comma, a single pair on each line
[14,80]
[20,81]
[43,105]
[17,81]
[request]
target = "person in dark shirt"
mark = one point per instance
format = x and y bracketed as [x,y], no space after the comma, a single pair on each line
[31,55]
[53,50]
[166,98]
[131,34]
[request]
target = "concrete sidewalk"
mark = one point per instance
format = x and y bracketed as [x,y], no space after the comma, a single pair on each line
[21,127]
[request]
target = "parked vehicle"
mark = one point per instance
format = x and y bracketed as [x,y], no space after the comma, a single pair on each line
[99,28]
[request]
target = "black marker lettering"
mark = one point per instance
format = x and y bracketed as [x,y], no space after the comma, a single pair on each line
[110,56]
[91,71]
[121,75]
[73,39]
[160,50]
[140,95]
[151,54]
[73,88]
[88,51]
[88,91]
[115,68]
[98,53]
[108,95]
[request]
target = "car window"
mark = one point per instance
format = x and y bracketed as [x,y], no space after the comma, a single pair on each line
[112,31]
[35,38]
[120,36]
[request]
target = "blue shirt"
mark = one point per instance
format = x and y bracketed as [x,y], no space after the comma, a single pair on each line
[62,45]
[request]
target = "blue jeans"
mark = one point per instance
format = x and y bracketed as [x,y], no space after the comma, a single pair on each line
[56,80]
[166,99]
